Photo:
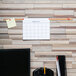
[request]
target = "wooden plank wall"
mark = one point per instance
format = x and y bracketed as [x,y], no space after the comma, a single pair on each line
[63,33]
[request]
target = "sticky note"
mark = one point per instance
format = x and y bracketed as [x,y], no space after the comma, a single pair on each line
[11,22]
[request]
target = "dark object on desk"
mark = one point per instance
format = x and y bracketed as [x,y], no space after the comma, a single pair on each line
[62,65]
[15,62]
[40,72]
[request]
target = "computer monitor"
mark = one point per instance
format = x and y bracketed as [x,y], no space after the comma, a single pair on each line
[14,62]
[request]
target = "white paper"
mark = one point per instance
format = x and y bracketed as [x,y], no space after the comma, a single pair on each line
[36,28]
[58,68]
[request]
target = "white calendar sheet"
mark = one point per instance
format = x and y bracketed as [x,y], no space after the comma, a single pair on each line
[36,28]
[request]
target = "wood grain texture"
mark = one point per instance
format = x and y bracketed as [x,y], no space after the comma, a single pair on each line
[49,54]
[16,46]
[62,35]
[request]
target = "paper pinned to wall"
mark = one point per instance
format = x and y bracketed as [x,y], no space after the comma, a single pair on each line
[11,22]
[36,28]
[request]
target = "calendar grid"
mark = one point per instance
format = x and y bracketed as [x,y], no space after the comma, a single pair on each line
[36,28]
